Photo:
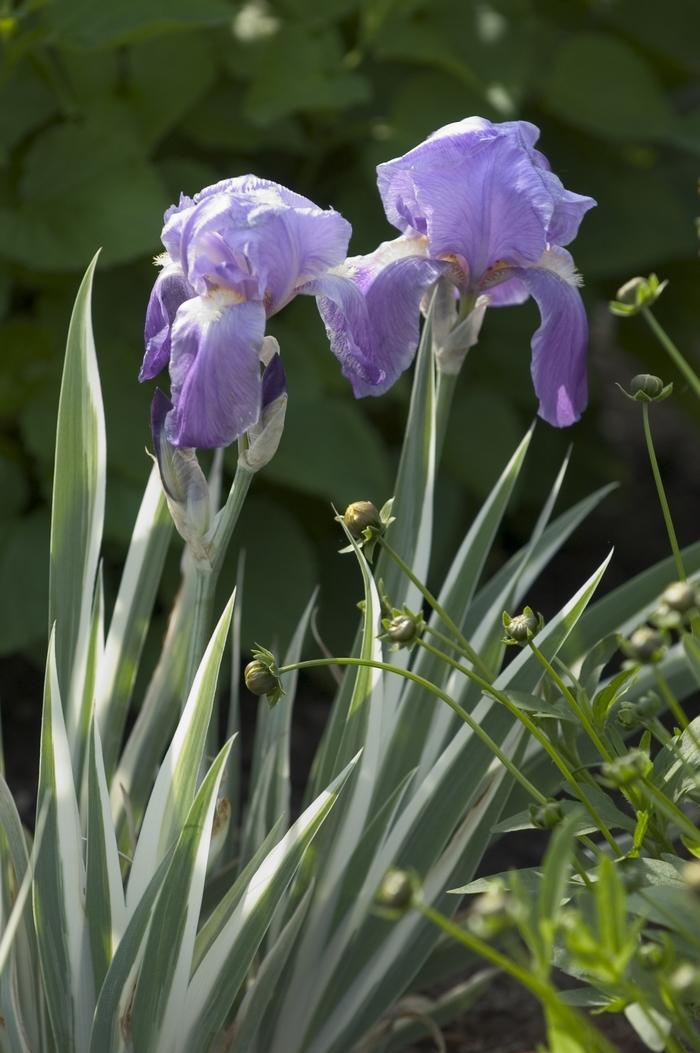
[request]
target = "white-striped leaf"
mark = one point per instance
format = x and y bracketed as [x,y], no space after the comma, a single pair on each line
[59,882]
[77,508]
[175,784]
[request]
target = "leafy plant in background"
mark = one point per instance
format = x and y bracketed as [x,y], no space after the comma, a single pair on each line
[98,135]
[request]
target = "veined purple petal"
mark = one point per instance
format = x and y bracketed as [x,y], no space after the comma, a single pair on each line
[256,238]
[376,337]
[215,371]
[170,290]
[559,344]
[483,193]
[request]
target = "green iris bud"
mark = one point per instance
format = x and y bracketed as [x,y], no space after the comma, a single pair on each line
[491,913]
[652,956]
[646,387]
[360,515]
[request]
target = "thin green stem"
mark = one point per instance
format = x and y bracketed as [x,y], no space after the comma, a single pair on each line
[544,992]
[663,501]
[538,734]
[578,710]
[408,674]
[672,351]
[467,648]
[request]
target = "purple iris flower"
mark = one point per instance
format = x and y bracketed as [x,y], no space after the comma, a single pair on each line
[478,206]
[236,253]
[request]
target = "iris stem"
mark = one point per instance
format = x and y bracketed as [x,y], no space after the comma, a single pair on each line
[538,734]
[464,644]
[663,501]
[672,351]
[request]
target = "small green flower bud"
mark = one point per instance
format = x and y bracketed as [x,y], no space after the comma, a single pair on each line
[627,715]
[548,815]
[396,892]
[259,679]
[645,645]
[401,629]
[680,596]
[360,515]
[636,294]
[646,384]
[522,627]
[628,769]
[648,706]
[651,956]
[491,913]
[691,876]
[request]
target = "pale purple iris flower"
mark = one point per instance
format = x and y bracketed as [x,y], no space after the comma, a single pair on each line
[236,253]
[478,206]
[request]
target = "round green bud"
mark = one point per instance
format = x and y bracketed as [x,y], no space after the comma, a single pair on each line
[402,629]
[523,626]
[691,876]
[680,596]
[648,706]
[396,891]
[360,515]
[623,771]
[628,715]
[258,678]
[627,293]
[645,644]
[651,956]
[491,913]
[547,815]
[646,384]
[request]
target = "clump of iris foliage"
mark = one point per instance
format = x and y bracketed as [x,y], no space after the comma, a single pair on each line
[163,905]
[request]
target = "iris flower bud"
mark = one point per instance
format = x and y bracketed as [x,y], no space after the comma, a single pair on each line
[645,387]
[402,628]
[652,956]
[492,912]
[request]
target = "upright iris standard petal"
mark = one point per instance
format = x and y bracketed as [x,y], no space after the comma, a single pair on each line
[215,371]
[170,290]
[375,334]
[559,344]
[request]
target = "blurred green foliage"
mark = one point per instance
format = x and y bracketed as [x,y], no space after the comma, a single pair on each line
[108,110]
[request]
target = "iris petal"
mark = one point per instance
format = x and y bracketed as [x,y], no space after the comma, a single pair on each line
[559,344]
[372,311]
[171,289]
[215,371]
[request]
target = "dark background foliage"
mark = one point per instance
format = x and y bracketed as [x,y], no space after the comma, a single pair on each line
[108,110]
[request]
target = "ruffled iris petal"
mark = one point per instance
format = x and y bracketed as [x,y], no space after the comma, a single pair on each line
[372,312]
[215,377]
[171,289]
[559,344]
